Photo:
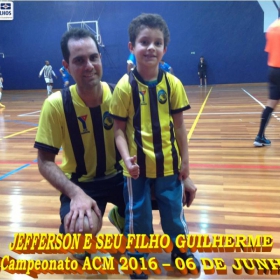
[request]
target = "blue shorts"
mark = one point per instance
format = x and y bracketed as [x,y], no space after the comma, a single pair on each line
[274,83]
[102,191]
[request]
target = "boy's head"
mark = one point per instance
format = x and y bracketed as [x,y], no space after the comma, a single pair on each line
[76,34]
[153,21]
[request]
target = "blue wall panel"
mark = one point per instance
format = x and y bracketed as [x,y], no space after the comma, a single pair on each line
[228,34]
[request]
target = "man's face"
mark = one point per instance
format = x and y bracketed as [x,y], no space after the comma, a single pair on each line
[84,62]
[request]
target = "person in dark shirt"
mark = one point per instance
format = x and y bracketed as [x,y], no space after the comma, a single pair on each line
[202,69]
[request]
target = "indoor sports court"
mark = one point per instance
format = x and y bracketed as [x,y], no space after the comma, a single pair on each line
[237,183]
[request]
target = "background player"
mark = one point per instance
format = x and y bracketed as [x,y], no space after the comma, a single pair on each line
[48,72]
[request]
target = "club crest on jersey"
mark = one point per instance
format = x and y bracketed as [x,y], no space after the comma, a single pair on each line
[107,121]
[83,119]
[142,96]
[162,96]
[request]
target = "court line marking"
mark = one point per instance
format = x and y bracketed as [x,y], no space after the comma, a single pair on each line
[273,114]
[233,113]
[198,115]
[17,133]
[28,114]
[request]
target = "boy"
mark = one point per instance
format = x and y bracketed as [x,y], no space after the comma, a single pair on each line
[147,107]
[1,86]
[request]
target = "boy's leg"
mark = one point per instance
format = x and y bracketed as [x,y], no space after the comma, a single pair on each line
[169,194]
[137,196]
[138,213]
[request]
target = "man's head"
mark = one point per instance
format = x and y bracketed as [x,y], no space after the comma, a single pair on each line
[74,33]
[82,58]
[47,62]
[153,21]
[201,58]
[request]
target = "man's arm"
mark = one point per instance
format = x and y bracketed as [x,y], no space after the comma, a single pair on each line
[121,142]
[81,204]
[41,72]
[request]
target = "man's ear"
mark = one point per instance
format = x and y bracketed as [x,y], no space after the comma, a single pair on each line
[130,47]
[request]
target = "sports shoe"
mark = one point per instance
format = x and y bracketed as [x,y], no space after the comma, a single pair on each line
[116,220]
[2,106]
[138,276]
[185,256]
[261,141]
[81,256]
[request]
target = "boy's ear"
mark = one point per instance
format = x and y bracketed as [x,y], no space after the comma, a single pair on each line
[164,50]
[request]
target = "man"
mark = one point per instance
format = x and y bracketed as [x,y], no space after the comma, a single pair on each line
[65,76]
[48,72]
[77,119]
[273,49]
[165,67]
[131,62]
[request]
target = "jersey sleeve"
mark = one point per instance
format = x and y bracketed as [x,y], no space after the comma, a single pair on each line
[178,97]
[49,134]
[121,99]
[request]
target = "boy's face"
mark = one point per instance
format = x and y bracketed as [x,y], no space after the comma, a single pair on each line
[149,48]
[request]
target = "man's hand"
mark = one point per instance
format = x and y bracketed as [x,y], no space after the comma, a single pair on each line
[80,206]
[189,192]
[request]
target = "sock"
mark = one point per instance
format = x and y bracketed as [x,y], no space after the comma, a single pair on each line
[50,87]
[266,114]
[0,96]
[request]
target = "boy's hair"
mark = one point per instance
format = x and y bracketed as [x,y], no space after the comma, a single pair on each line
[74,33]
[153,21]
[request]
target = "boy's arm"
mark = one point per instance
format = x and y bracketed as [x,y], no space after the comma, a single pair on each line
[121,142]
[181,138]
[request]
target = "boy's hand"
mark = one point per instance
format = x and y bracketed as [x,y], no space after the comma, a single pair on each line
[132,167]
[184,172]
[189,192]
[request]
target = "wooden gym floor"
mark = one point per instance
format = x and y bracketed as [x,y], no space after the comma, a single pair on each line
[238,184]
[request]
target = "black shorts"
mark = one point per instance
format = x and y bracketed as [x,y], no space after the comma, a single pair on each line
[102,191]
[202,74]
[274,83]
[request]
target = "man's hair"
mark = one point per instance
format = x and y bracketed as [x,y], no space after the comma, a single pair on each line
[153,21]
[74,33]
